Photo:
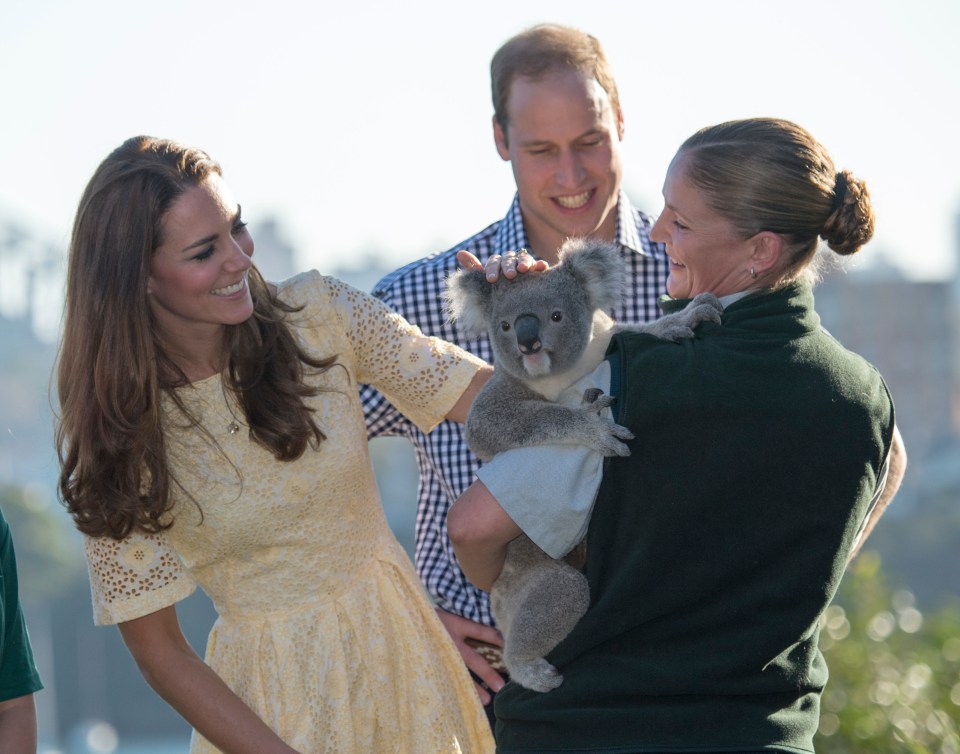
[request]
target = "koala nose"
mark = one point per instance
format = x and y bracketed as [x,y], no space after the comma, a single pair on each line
[528,333]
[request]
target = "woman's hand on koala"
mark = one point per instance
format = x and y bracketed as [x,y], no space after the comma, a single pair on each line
[509,264]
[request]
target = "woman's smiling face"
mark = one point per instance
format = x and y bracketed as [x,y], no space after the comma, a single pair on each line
[198,275]
[706,252]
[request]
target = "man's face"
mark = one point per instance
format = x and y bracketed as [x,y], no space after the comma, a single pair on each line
[563,141]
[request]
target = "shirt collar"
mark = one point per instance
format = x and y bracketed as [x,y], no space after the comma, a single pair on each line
[628,228]
[668,304]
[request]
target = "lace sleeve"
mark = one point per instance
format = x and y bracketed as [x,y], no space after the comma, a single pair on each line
[422,376]
[134,577]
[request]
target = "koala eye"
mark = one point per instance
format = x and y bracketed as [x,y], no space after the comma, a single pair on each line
[505,326]
[556,316]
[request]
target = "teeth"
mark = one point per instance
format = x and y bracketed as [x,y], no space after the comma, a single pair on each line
[678,264]
[230,289]
[573,202]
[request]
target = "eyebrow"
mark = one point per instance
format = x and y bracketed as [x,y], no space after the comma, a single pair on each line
[214,236]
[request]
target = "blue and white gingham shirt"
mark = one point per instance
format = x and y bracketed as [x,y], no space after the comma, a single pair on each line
[446,465]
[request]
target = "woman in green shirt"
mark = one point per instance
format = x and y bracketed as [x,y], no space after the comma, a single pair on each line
[18,674]
[764,454]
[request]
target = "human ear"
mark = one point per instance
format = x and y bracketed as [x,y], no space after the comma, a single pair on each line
[620,125]
[767,249]
[500,137]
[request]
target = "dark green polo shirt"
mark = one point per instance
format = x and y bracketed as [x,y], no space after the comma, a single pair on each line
[716,546]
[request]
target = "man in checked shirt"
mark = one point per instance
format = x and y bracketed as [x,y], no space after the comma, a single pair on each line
[557,120]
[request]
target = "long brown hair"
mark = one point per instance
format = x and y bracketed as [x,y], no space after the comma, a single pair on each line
[112,367]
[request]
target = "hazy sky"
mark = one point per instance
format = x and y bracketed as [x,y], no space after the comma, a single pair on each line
[366,126]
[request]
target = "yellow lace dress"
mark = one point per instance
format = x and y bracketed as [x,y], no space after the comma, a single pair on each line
[323,628]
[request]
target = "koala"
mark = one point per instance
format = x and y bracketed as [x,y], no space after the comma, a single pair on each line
[547,331]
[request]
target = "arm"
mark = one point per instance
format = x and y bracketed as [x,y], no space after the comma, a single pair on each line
[18,725]
[480,531]
[191,687]
[897,464]
[460,409]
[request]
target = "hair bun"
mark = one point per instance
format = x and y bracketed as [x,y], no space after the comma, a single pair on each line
[850,224]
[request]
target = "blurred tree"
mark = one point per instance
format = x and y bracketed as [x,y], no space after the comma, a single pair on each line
[894,672]
[49,559]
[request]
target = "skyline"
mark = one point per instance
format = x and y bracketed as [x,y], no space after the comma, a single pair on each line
[368,129]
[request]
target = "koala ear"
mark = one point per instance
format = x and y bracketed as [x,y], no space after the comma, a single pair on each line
[467,296]
[599,268]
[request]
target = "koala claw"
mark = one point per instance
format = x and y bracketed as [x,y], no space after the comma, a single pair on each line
[595,399]
[709,300]
[705,307]
[590,396]
[609,441]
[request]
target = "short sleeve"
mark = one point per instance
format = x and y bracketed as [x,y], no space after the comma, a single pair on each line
[422,376]
[133,577]
[18,674]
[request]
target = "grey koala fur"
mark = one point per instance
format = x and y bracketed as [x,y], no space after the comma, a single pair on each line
[548,330]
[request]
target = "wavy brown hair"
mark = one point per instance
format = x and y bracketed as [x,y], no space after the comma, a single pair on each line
[112,367]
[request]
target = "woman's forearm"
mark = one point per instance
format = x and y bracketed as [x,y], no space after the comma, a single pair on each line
[462,407]
[193,689]
[480,531]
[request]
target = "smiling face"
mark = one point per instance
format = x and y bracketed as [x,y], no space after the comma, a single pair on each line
[198,275]
[563,142]
[706,252]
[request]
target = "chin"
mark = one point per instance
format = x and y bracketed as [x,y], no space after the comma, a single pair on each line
[678,291]
[242,316]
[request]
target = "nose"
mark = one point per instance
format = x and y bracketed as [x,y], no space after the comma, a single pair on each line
[239,259]
[658,233]
[570,170]
[527,328]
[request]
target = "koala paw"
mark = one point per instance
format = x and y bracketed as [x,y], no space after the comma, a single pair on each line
[596,399]
[705,307]
[610,437]
[536,675]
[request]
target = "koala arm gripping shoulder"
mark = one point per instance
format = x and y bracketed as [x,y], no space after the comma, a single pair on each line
[705,307]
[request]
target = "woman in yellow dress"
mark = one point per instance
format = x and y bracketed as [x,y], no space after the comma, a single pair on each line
[211,434]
